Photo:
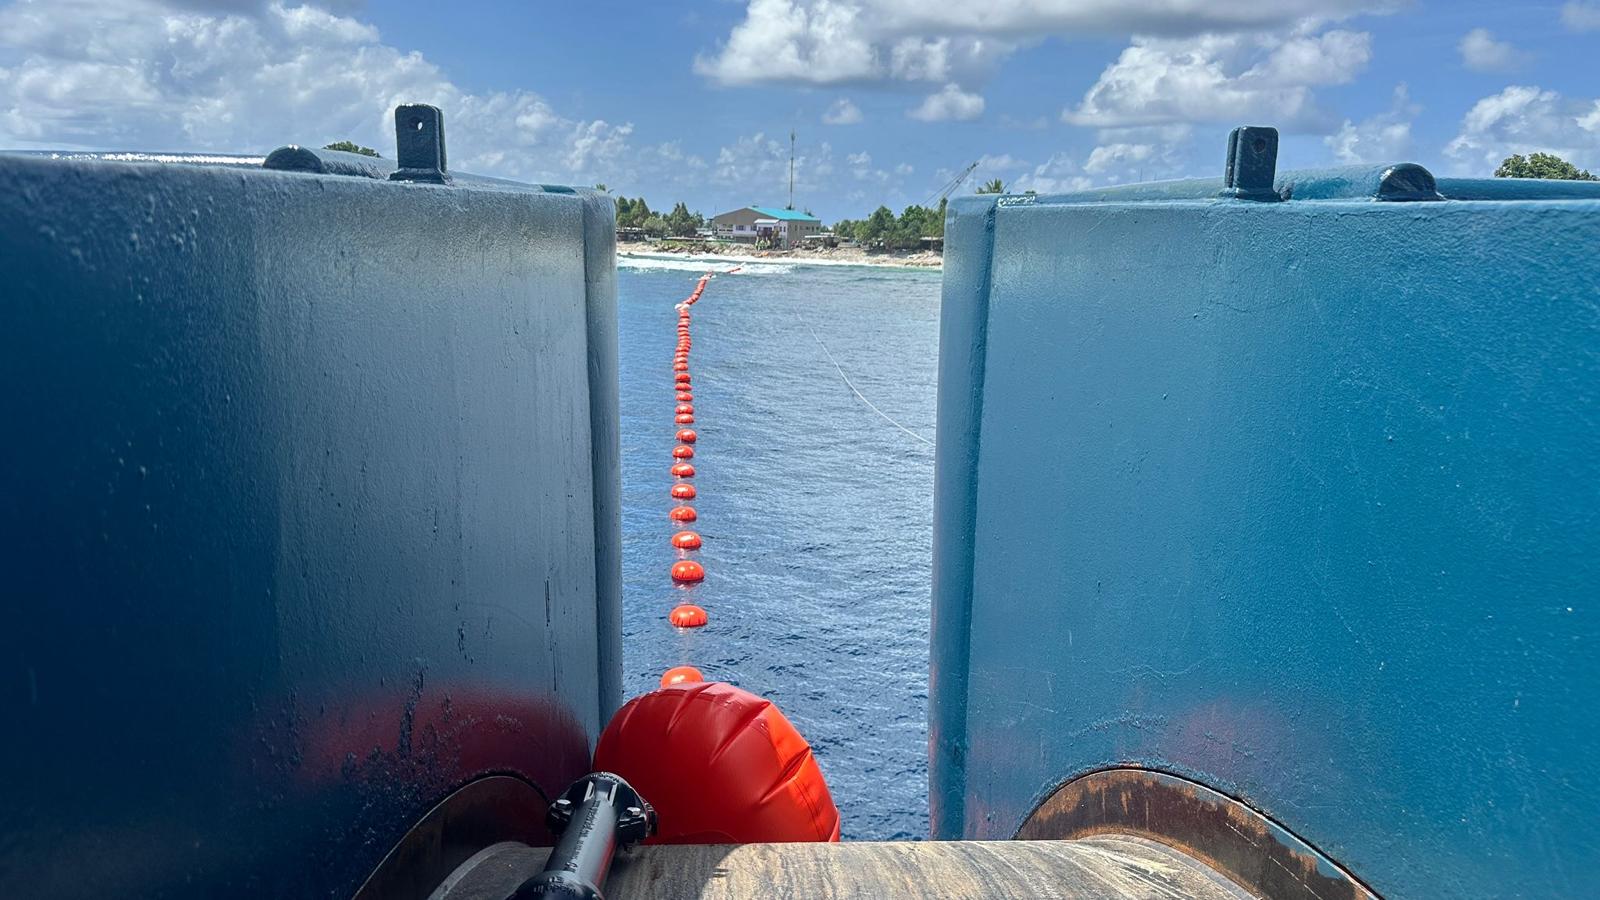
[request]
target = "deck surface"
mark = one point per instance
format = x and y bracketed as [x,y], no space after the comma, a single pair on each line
[1104,867]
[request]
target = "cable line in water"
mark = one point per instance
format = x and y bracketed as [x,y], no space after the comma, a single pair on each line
[863,397]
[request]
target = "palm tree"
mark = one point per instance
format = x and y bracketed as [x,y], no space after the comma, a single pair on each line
[992,186]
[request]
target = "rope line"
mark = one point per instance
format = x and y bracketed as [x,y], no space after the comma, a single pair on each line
[853,389]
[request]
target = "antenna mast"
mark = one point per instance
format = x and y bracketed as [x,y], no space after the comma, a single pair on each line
[791,168]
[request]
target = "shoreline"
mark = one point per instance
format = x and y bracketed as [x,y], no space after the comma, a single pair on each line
[838,256]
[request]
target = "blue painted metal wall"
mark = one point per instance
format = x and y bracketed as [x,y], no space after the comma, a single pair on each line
[308,515]
[1298,499]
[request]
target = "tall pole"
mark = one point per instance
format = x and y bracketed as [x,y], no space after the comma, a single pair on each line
[791,168]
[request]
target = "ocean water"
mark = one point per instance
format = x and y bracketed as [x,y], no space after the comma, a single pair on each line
[815,509]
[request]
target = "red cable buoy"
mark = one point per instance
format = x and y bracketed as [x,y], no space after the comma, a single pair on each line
[682,470]
[681,378]
[688,435]
[682,452]
[682,492]
[680,367]
[687,616]
[683,419]
[683,514]
[687,571]
[686,540]
[681,675]
[684,409]
[685,397]
[675,743]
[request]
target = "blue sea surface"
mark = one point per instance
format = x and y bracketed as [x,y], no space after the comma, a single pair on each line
[815,509]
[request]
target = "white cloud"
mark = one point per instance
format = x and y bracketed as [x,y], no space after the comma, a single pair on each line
[779,40]
[1581,16]
[1056,175]
[842,41]
[949,104]
[842,112]
[761,164]
[1524,119]
[1223,78]
[1112,157]
[1480,52]
[1384,138]
[671,153]
[862,170]
[146,74]
[904,169]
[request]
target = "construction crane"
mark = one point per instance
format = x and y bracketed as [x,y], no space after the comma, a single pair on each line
[950,187]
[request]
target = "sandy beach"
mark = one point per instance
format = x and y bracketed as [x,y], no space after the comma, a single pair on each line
[839,256]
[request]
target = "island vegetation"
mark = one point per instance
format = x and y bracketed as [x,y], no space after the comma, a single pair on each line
[1541,165]
[679,222]
[351,147]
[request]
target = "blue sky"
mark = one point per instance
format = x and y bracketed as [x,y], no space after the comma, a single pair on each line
[888,97]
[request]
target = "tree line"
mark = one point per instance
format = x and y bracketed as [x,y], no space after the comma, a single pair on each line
[884,229]
[1541,165]
[680,222]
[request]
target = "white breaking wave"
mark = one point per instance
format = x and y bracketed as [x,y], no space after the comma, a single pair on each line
[678,262]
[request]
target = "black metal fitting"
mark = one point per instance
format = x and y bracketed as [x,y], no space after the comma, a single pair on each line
[419,144]
[599,813]
[1252,164]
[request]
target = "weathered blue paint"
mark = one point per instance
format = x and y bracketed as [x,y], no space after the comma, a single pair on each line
[1298,499]
[308,515]
[1391,183]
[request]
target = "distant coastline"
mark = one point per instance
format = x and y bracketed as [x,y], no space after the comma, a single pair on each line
[838,256]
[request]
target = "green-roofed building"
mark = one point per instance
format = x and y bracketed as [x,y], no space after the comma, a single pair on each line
[766,226]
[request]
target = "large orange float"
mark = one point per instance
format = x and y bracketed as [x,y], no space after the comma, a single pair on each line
[720,765]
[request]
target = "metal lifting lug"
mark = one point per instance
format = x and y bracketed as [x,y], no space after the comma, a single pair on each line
[1252,164]
[597,814]
[419,144]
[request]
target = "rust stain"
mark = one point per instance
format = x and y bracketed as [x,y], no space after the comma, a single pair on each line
[1226,835]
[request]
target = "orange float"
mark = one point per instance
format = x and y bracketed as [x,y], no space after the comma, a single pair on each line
[688,435]
[683,419]
[680,367]
[682,514]
[687,571]
[682,492]
[681,378]
[682,470]
[688,616]
[682,452]
[674,743]
[684,409]
[686,540]
[681,675]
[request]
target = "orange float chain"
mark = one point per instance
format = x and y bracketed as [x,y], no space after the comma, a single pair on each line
[686,573]
[672,743]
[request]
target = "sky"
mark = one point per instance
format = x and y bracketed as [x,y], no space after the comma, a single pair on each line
[888,99]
